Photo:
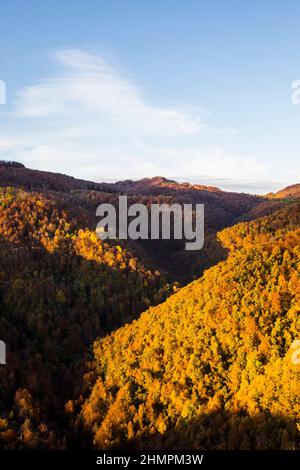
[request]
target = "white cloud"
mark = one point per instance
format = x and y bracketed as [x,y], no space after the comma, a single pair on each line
[91,118]
[86,87]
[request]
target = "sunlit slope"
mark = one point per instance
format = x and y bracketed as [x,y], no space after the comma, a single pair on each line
[60,288]
[292,191]
[211,366]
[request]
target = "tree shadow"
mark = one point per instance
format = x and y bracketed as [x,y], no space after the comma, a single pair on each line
[53,306]
[222,430]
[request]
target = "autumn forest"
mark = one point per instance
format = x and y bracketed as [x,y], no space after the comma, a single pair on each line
[142,344]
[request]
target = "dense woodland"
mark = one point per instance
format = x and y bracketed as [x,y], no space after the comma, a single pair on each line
[208,368]
[292,191]
[222,209]
[60,288]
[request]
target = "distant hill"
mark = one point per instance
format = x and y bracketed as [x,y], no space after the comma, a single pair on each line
[292,191]
[148,184]
[222,209]
[16,174]
[10,164]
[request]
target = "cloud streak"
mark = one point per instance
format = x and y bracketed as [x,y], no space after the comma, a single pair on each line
[91,119]
[87,86]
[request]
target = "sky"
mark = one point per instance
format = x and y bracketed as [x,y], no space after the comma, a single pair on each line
[194,90]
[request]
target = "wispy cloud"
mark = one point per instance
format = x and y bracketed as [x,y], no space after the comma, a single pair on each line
[90,118]
[87,87]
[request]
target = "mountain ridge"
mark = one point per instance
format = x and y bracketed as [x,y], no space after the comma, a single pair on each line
[46,179]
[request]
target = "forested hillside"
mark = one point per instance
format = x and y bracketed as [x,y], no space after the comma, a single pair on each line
[60,288]
[16,174]
[207,368]
[292,191]
[222,209]
[210,368]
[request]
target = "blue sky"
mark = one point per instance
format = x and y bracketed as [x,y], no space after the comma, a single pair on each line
[194,90]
